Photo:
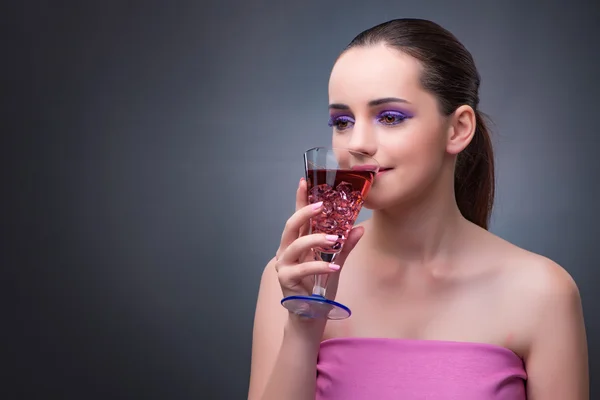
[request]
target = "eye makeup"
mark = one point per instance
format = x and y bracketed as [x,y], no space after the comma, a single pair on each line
[335,120]
[387,118]
[392,117]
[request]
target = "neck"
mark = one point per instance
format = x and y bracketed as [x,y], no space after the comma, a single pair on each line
[422,231]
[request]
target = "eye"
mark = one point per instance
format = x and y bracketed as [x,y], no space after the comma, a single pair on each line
[391,117]
[341,122]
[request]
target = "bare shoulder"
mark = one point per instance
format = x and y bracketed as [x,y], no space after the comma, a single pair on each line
[546,304]
[539,291]
[537,275]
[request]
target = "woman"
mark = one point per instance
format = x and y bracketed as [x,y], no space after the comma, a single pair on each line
[442,308]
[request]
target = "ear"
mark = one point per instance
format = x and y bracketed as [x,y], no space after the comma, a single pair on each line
[461,129]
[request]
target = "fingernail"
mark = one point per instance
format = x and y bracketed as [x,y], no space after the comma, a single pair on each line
[332,238]
[334,267]
[318,205]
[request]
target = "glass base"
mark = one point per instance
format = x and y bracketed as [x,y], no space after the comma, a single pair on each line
[315,306]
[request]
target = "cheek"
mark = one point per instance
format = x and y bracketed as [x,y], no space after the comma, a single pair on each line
[414,146]
[418,155]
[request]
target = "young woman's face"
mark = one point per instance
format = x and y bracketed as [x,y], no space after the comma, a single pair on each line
[378,107]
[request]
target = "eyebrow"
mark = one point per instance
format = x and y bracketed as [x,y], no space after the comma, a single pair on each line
[372,103]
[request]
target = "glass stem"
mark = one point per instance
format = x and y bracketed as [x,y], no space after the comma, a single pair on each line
[320,286]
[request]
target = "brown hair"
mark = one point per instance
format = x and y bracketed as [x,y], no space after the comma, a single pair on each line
[450,74]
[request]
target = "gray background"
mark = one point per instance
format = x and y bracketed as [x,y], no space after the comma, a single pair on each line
[152,150]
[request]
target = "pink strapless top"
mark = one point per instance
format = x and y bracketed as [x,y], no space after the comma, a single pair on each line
[381,369]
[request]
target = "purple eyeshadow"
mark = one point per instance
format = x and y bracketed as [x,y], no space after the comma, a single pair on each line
[339,118]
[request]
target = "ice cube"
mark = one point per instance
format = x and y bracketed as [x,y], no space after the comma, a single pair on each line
[344,187]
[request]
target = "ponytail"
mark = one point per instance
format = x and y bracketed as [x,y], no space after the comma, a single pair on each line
[474,183]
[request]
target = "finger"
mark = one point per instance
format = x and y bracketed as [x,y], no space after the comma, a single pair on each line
[353,237]
[303,230]
[302,201]
[291,274]
[332,280]
[292,227]
[299,246]
[301,194]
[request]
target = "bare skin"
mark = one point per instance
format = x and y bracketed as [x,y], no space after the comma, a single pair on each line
[417,269]
[489,292]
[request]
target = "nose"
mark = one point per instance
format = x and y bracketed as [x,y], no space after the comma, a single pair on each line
[363,138]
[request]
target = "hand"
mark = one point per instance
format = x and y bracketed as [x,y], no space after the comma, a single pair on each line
[295,262]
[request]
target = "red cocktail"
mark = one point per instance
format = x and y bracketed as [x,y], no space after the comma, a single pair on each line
[341,179]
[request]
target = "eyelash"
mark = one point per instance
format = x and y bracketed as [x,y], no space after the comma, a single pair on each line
[398,118]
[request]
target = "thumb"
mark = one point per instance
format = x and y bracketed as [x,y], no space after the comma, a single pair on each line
[301,194]
[353,237]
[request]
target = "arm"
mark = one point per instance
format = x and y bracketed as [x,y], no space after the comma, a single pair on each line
[557,361]
[284,347]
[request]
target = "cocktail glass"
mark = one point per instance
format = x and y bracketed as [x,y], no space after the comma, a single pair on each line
[341,179]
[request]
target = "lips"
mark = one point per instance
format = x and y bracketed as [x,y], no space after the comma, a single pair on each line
[363,167]
[383,170]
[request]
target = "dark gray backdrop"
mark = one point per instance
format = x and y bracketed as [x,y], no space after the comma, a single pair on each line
[152,151]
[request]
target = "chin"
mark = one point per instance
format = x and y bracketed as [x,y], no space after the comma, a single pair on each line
[381,198]
[397,188]
[375,202]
